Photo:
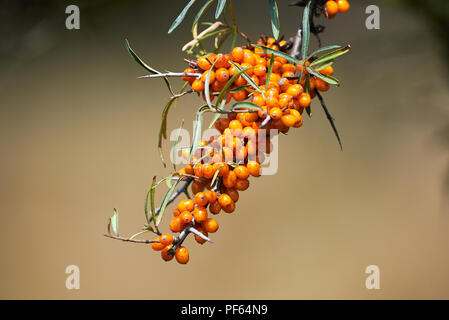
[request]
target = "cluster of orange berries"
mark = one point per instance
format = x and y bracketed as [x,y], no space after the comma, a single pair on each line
[237,153]
[285,90]
[334,7]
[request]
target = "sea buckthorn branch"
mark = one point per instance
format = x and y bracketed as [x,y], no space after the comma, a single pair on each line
[130,239]
[262,79]
[171,74]
[329,117]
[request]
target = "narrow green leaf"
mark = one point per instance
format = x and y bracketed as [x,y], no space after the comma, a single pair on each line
[206,86]
[214,119]
[278,53]
[165,202]
[152,191]
[146,66]
[328,79]
[307,84]
[163,128]
[181,16]
[309,111]
[220,7]
[168,181]
[239,88]
[247,78]
[323,49]
[275,25]
[331,56]
[216,175]
[324,65]
[197,130]
[114,222]
[245,105]
[270,71]
[201,12]
[305,31]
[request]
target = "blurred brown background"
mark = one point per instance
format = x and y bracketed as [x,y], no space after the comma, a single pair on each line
[79,134]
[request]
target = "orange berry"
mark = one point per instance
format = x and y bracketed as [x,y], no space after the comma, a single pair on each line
[204,63]
[165,255]
[198,85]
[189,79]
[224,199]
[199,214]
[233,193]
[242,184]
[215,207]
[200,199]
[272,102]
[158,246]
[222,75]
[275,113]
[263,112]
[288,120]
[240,95]
[197,187]
[221,61]
[254,168]
[295,90]
[166,239]
[237,54]
[288,68]
[277,68]
[229,179]
[236,128]
[327,71]
[176,212]
[223,167]
[240,81]
[304,100]
[241,172]
[229,208]
[249,57]
[343,6]
[210,225]
[189,169]
[176,224]
[321,85]
[208,171]
[260,70]
[250,68]
[211,76]
[331,8]
[186,217]
[211,196]
[182,255]
[186,205]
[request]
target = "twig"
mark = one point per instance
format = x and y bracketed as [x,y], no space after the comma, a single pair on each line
[297,43]
[171,74]
[265,121]
[175,195]
[129,239]
[191,44]
[329,117]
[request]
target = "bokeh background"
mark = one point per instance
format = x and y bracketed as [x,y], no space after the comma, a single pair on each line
[78,137]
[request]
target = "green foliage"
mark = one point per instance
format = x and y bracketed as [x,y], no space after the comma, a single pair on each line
[275,24]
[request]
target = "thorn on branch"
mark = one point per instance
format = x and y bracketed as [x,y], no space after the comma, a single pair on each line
[329,117]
